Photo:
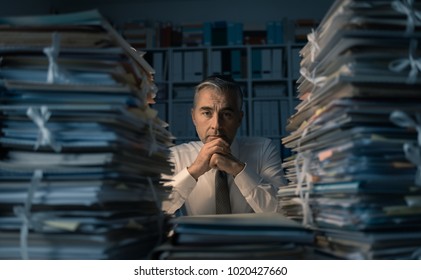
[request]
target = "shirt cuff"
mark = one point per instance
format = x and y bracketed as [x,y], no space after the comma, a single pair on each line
[247,180]
[183,183]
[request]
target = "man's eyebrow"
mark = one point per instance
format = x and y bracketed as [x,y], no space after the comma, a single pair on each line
[206,108]
[228,109]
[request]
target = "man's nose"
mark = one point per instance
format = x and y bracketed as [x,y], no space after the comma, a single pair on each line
[216,121]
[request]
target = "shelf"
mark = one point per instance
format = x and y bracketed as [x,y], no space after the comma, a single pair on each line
[267,74]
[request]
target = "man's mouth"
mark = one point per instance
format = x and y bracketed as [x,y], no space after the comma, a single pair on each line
[213,137]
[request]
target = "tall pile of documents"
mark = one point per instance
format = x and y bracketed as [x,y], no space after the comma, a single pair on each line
[356,175]
[236,236]
[81,151]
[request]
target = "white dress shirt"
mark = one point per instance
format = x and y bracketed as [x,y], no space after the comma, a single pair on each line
[252,190]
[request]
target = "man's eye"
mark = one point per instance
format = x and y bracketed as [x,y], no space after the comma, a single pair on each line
[206,113]
[227,114]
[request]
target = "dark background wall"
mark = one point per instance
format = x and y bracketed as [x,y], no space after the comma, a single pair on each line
[247,11]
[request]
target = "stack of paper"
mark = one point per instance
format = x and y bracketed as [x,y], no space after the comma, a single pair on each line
[236,236]
[81,151]
[356,174]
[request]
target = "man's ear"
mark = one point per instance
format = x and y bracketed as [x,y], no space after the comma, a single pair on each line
[241,118]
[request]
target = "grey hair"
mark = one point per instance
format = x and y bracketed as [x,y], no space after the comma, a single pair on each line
[222,84]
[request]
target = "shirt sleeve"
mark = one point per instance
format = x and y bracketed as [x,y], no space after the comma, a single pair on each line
[259,187]
[182,185]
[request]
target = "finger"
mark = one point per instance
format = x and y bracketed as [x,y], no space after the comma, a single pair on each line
[217,150]
[213,161]
[219,161]
[224,150]
[218,142]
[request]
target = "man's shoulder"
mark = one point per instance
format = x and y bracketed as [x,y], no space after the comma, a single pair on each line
[253,140]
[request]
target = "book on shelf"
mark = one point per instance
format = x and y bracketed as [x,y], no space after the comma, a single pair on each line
[275,32]
[302,27]
[254,37]
[192,34]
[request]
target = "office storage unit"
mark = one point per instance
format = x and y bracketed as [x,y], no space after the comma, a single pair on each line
[266,73]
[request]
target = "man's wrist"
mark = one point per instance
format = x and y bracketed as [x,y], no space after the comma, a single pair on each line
[192,173]
[239,168]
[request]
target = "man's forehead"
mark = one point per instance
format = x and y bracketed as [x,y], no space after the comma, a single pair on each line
[213,96]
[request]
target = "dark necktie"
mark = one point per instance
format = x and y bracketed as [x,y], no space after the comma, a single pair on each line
[222,195]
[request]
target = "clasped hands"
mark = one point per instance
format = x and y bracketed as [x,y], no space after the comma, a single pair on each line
[215,153]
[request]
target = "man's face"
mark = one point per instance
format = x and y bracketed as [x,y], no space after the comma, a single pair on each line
[216,115]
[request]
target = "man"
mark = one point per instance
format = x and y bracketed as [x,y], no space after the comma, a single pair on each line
[252,165]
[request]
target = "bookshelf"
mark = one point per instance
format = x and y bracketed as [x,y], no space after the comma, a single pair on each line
[267,74]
